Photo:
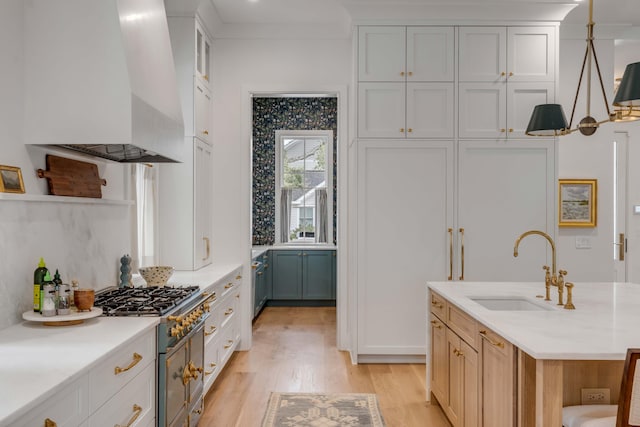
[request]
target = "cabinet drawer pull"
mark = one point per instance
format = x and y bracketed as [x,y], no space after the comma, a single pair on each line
[229,344]
[228,286]
[238,277]
[499,344]
[207,246]
[436,304]
[136,358]
[402,73]
[213,365]
[401,130]
[137,411]
[211,331]
[450,231]
[461,254]
[205,132]
[228,312]
[436,324]
[50,423]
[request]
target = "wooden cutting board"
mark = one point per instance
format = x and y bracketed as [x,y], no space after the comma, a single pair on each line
[68,177]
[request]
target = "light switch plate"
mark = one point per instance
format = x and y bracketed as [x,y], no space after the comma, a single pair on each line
[583,242]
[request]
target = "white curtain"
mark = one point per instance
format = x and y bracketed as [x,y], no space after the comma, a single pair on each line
[321,215]
[145,189]
[286,196]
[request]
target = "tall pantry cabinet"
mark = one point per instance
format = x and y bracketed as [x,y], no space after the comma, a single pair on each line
[446,179]
[185,219]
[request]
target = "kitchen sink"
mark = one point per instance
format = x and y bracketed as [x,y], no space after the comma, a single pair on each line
[510,303]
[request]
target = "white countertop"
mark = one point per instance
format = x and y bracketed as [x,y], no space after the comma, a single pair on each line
[604,324]
[204,277]
[36,361]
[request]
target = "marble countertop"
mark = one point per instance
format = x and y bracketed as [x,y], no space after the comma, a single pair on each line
[38,360]
[204,277]
[602,327]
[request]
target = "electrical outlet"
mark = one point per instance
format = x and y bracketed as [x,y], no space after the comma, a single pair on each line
[596,396]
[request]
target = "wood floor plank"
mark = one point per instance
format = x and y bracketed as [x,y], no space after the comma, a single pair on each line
[294,350]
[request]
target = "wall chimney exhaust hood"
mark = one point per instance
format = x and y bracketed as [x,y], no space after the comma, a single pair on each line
[100,79]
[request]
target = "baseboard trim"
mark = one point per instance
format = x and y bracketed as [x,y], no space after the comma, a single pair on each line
[391,358]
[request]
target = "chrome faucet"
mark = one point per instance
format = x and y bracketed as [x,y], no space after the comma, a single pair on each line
[550,279]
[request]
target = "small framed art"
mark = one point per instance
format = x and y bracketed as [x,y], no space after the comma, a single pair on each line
[577,204]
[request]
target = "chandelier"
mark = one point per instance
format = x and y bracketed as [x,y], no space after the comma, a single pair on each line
[549,119]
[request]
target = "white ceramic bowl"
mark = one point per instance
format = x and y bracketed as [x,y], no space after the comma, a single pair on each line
[156,275]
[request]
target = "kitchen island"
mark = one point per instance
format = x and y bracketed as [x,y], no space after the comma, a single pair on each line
[555,350]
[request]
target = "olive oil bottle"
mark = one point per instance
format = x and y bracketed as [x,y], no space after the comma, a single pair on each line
[38,280]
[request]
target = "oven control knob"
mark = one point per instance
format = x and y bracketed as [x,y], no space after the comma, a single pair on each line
[176,318]
[174,332]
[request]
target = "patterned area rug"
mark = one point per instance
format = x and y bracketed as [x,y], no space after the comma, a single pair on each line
[322,410]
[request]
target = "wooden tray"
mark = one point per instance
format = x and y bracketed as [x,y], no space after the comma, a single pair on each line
[68,177]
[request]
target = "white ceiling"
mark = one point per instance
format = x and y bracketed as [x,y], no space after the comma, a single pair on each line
[618,12]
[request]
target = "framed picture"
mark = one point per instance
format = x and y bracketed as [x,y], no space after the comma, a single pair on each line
[11,180]
[577,204]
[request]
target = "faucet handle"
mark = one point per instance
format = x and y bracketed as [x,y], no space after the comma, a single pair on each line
[562,272]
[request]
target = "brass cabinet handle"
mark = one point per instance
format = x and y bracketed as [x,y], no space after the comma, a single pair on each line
[402,73]
[229,344]
[212,330]
[510,73]
[510,130]
[450,230]
[461,253]
[213,365]
[205,77]
[621,246]
[410,130]
[402,130]
[205,132]
[228,312]
[228,286]
[50,423]
[238,277]
[260,273]
[499,344]
[503,74]
[436,324]
[410,73]
[503,130]
[136,359]
[137,411]
[207,247]
[458,352]
[436,304]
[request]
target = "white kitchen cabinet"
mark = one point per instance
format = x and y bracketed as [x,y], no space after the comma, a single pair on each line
[405,54]
[222,328]
[513,54]
[192,56]
[102,396]
[411,110]
[504,72]
[406,85]
[504,189]
[498,110]
[185,220]
[404,207]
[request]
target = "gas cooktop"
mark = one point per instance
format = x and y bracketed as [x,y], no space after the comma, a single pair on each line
[153,301]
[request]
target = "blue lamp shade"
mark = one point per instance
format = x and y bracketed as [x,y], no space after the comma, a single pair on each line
[628,94]
[547,120]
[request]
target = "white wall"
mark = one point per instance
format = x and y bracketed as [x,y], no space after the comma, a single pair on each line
[592,157]
[83,241]
[245,66]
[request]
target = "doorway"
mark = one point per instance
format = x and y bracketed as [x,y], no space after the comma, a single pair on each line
[263,227]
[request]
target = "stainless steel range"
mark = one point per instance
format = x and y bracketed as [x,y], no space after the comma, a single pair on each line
[180,342]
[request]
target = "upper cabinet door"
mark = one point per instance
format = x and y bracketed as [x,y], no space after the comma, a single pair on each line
[381,110]
[430,52]
[531,54]
[483,110]
[381,54]
[521,99]
[203,55]
[430,110]
[482,54]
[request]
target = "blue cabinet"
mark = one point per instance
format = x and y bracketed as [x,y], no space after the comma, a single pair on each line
[262,282]
[303,275]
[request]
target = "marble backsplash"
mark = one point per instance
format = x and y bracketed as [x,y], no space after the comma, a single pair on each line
[83,241]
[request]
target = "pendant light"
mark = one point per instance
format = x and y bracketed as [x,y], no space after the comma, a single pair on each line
[627,100]
[549,119]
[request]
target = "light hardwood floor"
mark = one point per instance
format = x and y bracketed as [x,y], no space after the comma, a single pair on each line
[294,350]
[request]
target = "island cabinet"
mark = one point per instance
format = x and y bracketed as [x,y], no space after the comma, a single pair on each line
[472,369]
[303,274]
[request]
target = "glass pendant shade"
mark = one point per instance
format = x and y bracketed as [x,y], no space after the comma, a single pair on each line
[628,94]
[547,120]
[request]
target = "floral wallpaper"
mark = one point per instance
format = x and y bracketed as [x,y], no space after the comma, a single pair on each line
[269,115]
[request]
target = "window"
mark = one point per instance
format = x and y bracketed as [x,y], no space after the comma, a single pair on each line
[304,185]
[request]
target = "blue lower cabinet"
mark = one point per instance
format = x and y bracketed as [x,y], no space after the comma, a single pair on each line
[303,275]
